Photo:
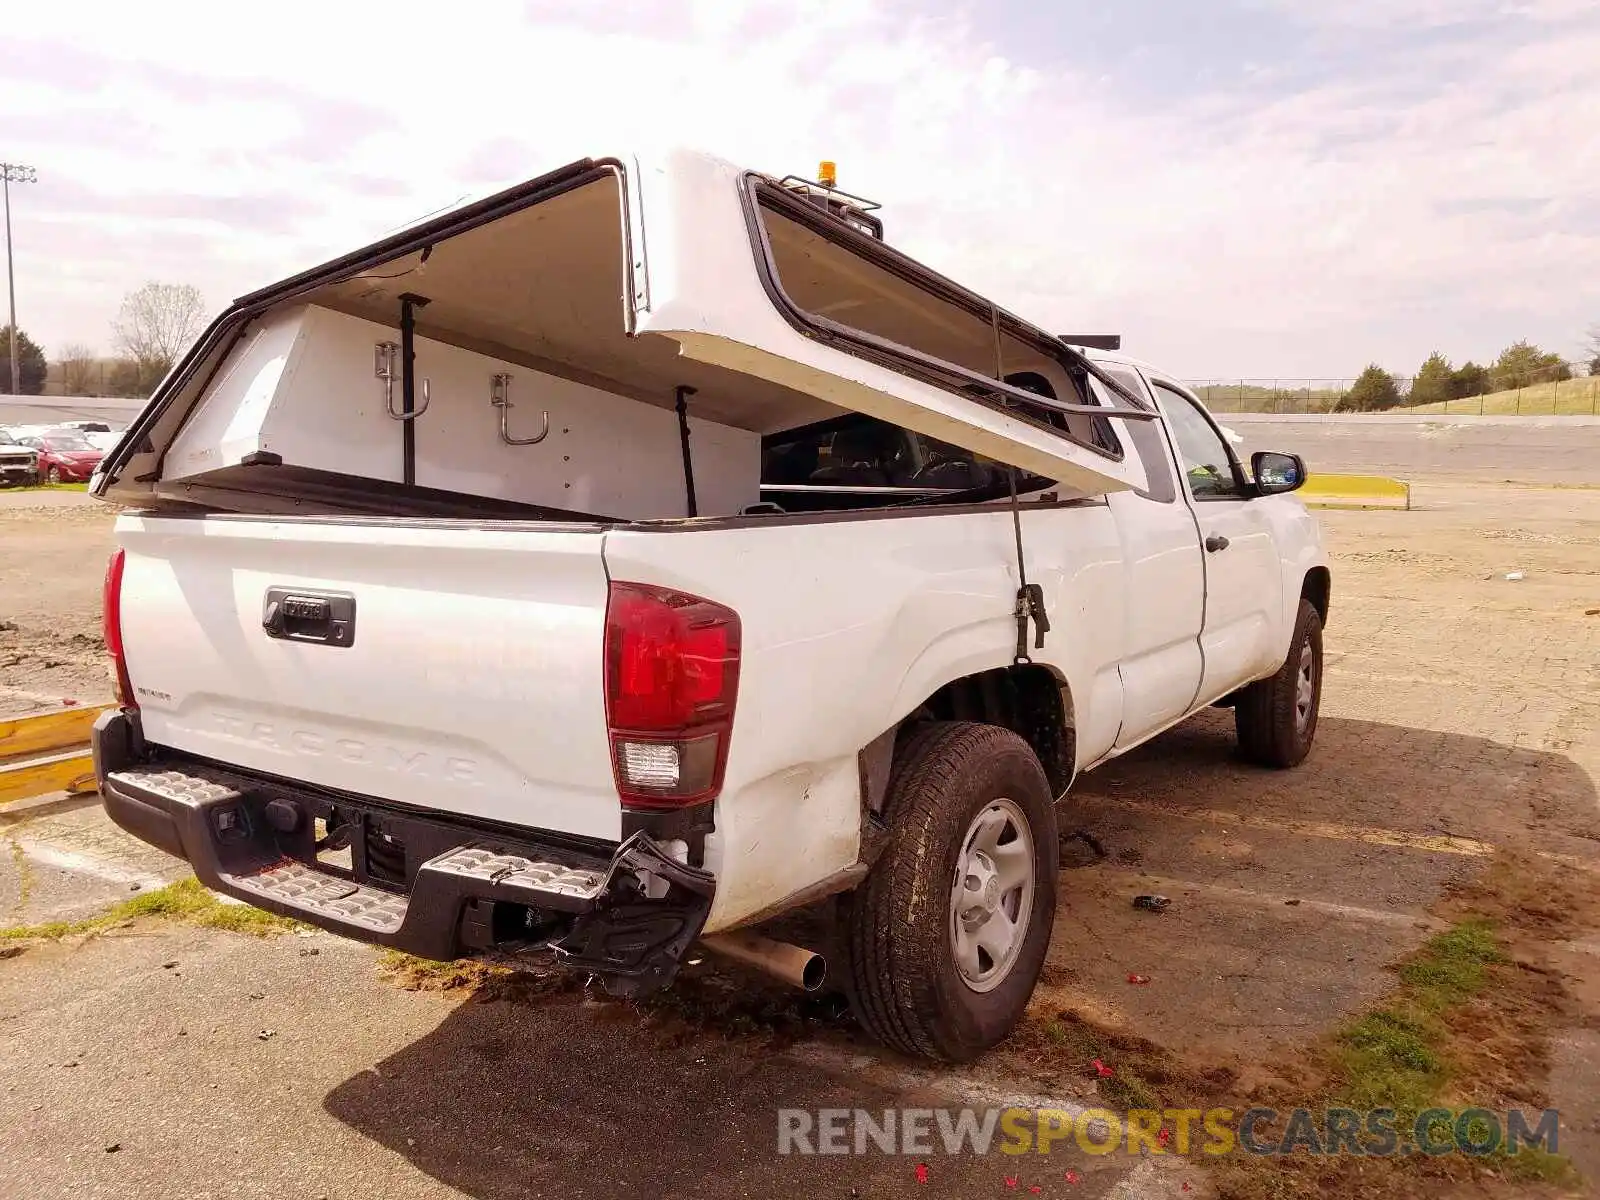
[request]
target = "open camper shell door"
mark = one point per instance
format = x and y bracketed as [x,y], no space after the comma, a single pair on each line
[742,276]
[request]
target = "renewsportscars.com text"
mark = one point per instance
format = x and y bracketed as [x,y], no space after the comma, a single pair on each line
[923,1132]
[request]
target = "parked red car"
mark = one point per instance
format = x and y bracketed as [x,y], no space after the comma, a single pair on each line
[64,457]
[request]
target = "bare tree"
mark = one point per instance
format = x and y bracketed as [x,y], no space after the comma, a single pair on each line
[77,369]
[156,324]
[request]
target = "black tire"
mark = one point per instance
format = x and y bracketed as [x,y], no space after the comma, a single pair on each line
[55,475]
[906,988]
[1272,730]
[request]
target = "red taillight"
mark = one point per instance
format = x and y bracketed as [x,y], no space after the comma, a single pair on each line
[672,676]
[113,631]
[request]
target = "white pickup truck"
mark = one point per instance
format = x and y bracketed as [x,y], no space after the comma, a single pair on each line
[609,566]
[19,464]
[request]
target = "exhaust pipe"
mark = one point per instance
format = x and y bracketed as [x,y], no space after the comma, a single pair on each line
[794,965]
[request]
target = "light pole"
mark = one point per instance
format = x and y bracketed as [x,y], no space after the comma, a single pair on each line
[13,173]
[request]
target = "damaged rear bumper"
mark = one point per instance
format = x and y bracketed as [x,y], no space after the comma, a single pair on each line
[424,883]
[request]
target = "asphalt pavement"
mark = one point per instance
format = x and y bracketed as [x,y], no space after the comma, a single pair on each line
[168,1061]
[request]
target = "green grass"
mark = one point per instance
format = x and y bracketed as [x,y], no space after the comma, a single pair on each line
[187,900]
[1399,1056]
[1389,1061]
[1411,1054]
[49,487]
[1395,1057]
[1537,1165]
[1074,1040]
[1569,397]
[1453,967]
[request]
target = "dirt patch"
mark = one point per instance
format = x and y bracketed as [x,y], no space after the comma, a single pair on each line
[41,668]
[469,975]
[1470,1021]
[50,595]
[1533,900]
[1471,1024]
[705,998]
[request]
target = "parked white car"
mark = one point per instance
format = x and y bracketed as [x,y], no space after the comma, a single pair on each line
[19,464]
[649,550]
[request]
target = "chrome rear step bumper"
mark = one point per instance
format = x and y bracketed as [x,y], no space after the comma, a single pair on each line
[422,882]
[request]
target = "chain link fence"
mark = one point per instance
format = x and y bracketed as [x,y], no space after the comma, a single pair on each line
[1578,394]
[100,377]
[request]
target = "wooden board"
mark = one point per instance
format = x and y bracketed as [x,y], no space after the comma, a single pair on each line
[56,729]
[24,778]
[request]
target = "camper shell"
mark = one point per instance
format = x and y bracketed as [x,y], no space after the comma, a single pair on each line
[579,312]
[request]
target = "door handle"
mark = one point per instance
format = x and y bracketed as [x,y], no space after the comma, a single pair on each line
[1216,542]
[324,618]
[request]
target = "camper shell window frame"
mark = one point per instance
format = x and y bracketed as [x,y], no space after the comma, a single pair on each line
[757,190]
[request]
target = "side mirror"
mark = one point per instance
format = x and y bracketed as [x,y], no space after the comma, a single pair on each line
[1277,473]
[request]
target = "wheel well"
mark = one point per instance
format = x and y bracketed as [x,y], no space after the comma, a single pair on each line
[1028,700]
[1316,587]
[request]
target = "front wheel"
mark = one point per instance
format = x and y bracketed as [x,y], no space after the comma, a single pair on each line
[55,475]
[948,933]
[1276,718]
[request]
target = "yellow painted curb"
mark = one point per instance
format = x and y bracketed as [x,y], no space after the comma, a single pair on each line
[1355,491]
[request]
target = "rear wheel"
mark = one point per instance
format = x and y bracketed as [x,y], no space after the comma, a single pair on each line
[949,931]
[1276,718]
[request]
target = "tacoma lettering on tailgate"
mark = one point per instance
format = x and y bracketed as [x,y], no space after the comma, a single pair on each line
[306,743]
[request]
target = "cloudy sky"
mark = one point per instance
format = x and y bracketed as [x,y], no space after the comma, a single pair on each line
[1240,187]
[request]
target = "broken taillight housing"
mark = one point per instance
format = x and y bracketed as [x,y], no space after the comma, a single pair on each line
[112,629]
[672,677]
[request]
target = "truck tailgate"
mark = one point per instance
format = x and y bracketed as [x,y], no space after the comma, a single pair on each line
[473,682]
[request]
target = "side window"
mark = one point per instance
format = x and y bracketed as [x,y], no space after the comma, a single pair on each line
[1144,435]
[1205,456]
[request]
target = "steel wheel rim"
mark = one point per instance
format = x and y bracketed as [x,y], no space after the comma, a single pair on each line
[991,896]
[1305,687]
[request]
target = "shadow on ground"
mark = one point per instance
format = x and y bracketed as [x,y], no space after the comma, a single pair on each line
[562,1096]
[1289,902]
[1366,773]
[510,1100]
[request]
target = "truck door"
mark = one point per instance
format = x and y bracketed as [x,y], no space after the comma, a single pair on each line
[1164,589]
[1244,582]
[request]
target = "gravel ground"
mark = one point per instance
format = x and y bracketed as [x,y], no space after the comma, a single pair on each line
[1461,712]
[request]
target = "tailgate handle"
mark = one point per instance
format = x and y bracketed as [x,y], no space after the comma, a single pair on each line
[297,615]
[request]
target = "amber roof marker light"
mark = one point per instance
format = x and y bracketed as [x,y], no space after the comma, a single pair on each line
[823,193]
